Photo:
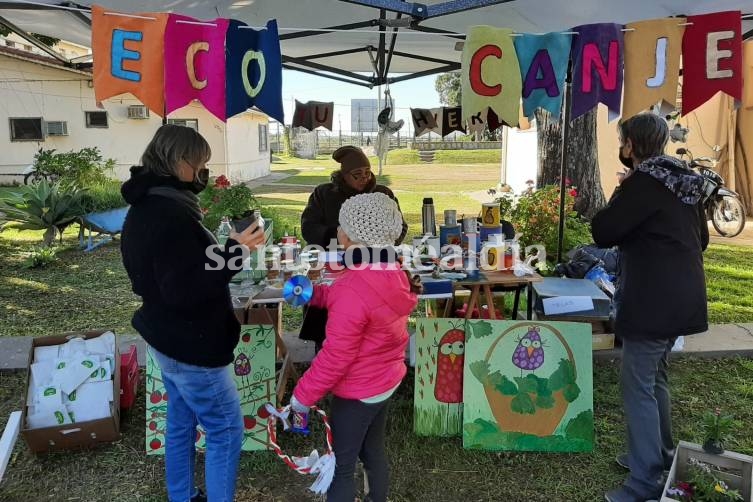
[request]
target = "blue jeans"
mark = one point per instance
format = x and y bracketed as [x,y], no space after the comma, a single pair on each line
[207,396]
[648,411]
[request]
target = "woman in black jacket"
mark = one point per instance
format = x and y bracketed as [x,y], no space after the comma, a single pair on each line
[656,219]
[319,220]
[186,316]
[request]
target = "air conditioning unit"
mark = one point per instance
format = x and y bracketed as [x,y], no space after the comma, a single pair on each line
[57,128]
[138,112]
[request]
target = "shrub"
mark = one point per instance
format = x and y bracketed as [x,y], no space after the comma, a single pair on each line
[84,167]
[44,206]
[103,196]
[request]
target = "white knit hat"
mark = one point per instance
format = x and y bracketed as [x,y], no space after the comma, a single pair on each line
[372,219]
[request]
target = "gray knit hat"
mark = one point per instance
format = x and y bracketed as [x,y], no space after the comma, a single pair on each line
[372,219]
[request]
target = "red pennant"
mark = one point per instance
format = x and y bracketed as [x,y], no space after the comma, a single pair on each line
[712,58]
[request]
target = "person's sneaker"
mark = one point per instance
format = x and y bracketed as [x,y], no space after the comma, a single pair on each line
[622,461]
[199,497]
[622,494]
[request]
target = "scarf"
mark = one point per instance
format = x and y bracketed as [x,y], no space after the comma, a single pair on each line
[185,197]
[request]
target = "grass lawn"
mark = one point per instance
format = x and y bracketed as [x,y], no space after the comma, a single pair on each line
[422,468]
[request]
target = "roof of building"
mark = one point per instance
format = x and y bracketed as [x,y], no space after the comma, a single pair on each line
[42,60]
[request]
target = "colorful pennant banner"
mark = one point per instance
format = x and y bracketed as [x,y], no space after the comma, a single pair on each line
[597,68]
[712,58]
[423,120]
[490,74]
[652,63]
[129,57]
[195,63]
[313,114]
[543,67]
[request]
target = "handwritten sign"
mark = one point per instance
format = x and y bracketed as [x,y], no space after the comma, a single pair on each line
[567,304]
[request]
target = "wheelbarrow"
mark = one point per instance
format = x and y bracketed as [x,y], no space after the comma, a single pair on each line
[106,224]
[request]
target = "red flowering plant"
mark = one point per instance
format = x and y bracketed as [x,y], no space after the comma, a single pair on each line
[221,198]
[535,215]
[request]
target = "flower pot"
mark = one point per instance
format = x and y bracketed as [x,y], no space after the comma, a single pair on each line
[714,447]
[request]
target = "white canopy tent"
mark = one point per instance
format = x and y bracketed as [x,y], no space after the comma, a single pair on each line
[369,42]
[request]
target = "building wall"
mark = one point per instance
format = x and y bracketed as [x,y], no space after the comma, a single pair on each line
[244,160]
[66,49]
[57,94]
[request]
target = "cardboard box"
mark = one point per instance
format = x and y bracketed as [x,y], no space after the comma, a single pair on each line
[129,377]
[78,434]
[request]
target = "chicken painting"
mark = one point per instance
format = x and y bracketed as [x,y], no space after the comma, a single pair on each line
[450,357]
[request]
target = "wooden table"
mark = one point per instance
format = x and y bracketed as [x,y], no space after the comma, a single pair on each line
[505,280]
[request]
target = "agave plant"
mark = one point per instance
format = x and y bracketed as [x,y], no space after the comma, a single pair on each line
[44,206]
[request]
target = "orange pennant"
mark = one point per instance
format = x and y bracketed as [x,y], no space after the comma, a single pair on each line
[128,56]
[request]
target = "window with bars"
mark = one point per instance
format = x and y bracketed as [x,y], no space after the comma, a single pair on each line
[192,123]
[96,119]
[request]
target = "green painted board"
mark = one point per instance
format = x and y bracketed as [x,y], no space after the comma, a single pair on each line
[438,389]
[254,375]
[528,386]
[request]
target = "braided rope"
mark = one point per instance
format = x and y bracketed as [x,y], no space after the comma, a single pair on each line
[271,423]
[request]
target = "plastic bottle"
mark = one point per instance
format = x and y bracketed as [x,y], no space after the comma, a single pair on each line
[223,231]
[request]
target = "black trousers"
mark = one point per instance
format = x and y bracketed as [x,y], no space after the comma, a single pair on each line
[358,431]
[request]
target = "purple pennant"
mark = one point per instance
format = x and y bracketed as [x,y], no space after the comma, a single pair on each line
[597,55]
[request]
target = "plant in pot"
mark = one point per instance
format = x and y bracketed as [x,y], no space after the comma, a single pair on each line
[717,428]
[222,198]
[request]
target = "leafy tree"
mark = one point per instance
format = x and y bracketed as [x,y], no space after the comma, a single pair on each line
[50,41]
[448,87]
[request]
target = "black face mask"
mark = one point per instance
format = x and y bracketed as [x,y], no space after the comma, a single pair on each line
[626,161]
[199,182]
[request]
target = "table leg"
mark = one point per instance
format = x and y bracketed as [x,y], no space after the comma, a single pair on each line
[449,304]
[529,307]
[472,301]
[489,301]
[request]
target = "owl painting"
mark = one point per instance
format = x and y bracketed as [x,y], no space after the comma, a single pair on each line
[450,357]
[529,354]
[242,368]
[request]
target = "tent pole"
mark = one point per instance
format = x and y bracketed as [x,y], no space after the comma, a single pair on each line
[563,168]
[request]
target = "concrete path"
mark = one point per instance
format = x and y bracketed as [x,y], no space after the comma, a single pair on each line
[722,340]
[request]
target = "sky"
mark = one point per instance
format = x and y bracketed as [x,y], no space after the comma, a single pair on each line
[414,93]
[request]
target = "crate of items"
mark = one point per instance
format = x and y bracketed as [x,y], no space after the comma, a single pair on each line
[727,471]
[72,391]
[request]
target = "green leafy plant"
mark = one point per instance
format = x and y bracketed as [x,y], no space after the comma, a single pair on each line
[702,485]
[221,198]
[44,206]
[103,196]
[83,168]
[40,257]
[535,215]
[717,429]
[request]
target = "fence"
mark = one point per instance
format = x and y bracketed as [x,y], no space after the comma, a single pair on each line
[309,144]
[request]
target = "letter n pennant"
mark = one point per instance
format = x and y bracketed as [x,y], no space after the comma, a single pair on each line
[597,68]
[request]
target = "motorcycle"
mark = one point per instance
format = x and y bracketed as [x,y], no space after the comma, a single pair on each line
[723,206]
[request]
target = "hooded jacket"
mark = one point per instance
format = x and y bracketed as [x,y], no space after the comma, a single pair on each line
[364,352]
[656,217]
[319,220]
[187,313]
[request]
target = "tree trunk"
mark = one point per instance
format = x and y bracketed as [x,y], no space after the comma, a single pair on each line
[581,165]
[49,236]
[287,142]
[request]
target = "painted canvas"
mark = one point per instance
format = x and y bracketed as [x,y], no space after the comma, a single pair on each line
[438,389]
[254,373]
[528,386]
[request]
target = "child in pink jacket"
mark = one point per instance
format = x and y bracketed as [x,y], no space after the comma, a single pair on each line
[362,360]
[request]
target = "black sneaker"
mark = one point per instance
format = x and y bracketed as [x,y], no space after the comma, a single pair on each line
[199,497]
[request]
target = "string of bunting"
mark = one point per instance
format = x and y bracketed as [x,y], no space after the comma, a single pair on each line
[323,466]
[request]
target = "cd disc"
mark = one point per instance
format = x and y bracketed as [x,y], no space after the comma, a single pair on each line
[298,290]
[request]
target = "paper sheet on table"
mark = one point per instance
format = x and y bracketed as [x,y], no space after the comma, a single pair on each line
[567,304]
